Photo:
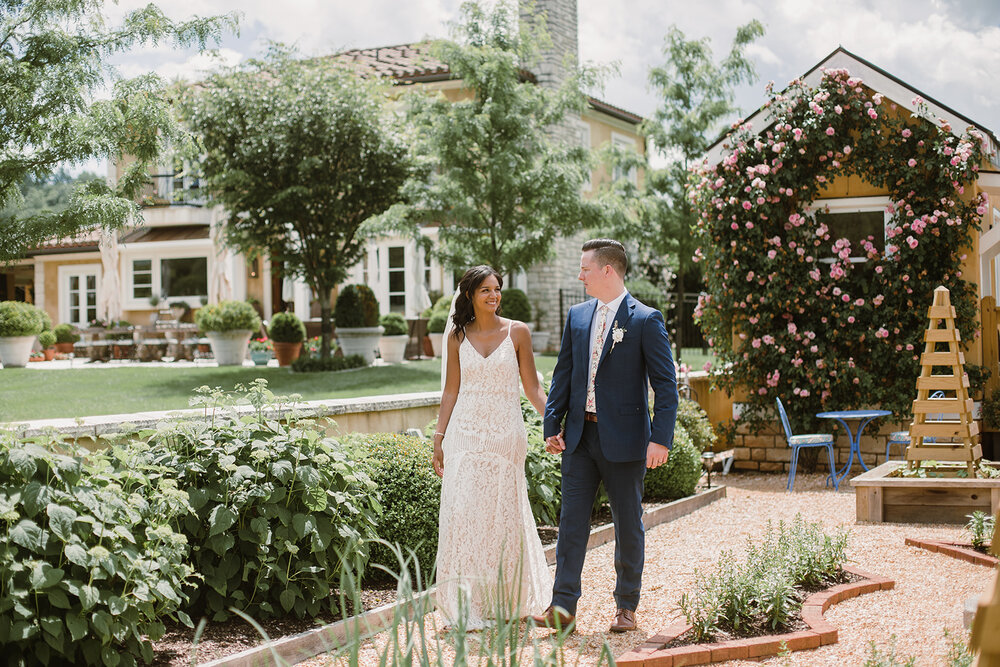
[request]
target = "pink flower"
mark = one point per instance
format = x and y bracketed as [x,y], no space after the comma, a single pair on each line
[768,338]
[911,162]
[755,343]
[912,242]
[747,205]
[798,134]
[707,367]
[850,319]
[829,131]
[906,132]
[872,114]
[882,333]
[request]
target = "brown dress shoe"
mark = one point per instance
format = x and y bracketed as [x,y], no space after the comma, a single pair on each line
[556,618]
[624,621]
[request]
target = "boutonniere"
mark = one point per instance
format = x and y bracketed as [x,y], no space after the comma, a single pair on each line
[617,334]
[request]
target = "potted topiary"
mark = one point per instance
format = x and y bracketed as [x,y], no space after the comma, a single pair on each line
[395,336]
[287,333]
[356,317]
[228,326]
[47,339]
[435,330]
[515,306]
[66,336]
[19,324]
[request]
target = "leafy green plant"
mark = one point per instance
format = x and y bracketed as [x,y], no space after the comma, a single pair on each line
[228,316]
[677,477]
[410,494]
[21,319]
[990,411]
[66,333]
[393,324]
[694,419]
[356,308]
[877,657]
[542,470]
[978,376]
[958,654]
[437,322]
[313,364]
[763,592]
[91,563]
[46,339]
[277,506]
[981,526]
[286,328]
[515,305]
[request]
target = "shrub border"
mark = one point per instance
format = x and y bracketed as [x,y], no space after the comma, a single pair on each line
[960,551]
[313,642]
[820,632]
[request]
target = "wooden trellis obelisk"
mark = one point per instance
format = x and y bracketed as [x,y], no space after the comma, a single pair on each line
[936,434]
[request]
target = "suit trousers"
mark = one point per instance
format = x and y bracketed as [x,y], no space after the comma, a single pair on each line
[582,472]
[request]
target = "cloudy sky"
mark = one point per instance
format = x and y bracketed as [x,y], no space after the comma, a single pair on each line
[948,49]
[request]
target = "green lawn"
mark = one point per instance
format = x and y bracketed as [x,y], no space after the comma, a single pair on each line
[27,394]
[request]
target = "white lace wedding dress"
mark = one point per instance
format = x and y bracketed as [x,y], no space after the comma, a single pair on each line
[489,555]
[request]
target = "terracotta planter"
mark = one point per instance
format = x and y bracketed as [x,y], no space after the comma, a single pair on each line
[64,348]
[50,353]
[286,353]
[427,346]
[15,350]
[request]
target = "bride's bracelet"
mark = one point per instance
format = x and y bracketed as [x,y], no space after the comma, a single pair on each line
[439,433]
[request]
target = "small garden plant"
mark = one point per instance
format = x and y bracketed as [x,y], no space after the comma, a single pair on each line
[764,591]
[356,307]
[393,324]
[21,319]
[981,527]
[286,328]
[228,316]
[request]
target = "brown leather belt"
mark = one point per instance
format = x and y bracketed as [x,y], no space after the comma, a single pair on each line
[590,417]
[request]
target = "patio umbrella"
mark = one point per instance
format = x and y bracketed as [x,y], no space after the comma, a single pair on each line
[109,301]
[221,287]
[423,300]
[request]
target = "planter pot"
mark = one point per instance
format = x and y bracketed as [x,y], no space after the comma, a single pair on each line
[363,341]
[426,346]
[540,340]
[50,353]
[64,348]
[393,348]
[286,353]
[229,347]
[260,357]
[15,350]
[436,343]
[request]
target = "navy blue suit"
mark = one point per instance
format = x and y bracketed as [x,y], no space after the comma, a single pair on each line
[613,450]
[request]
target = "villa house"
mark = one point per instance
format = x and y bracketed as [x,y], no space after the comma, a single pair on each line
[176,254]
[858,209]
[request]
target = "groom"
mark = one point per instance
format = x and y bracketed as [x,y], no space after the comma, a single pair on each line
[610,347]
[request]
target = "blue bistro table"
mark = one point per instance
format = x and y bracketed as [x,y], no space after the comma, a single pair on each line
[845,417]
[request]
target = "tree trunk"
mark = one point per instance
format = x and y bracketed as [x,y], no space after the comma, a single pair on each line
[325,315]
[679,319]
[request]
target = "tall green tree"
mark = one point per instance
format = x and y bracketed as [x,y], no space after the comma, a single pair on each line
[54,63]
[502,188]
[697,98]
[303,154]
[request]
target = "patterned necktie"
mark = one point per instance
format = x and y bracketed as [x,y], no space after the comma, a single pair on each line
[602,323]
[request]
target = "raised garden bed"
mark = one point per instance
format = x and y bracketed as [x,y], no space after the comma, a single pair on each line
[818,632]
[955,550]
[883,496]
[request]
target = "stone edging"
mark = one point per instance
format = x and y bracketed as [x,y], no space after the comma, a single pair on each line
[959,551]
[313,642]
[820,632]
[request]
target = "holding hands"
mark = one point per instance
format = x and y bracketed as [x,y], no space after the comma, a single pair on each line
[554,444]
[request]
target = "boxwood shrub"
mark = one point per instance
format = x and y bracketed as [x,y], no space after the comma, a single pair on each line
[677,477]
[393,324]
[356,307]
[286,328]
[66,333]
[278,507]
[515,306]
[90,564]
[694,419]
[311,364]
[22,319]
[228,316]
[410,495]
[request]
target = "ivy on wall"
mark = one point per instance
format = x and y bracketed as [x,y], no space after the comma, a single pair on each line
[790,309]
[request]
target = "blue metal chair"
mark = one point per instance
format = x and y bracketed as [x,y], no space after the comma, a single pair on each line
[903,437]
[797,442]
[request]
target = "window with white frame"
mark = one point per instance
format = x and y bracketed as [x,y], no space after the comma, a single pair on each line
[182,277]
[626,142]
[397,279]
[142,278]
[78,293]
[860,220]
[583,140]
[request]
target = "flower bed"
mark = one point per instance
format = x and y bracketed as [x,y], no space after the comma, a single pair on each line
[956,550]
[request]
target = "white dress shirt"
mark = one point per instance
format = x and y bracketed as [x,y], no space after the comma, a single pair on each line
[613,306]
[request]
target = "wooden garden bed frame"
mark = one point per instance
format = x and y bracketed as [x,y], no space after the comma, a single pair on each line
[881,498]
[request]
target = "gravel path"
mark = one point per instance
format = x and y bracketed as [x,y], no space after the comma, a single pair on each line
[928,599]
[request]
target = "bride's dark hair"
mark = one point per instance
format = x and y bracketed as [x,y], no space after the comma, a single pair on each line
[470,282]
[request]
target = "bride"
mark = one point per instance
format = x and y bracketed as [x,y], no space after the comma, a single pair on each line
[490,561]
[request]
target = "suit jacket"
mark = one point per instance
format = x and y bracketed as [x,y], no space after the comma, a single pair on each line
[643,355]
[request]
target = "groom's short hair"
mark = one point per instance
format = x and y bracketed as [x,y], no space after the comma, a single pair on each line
[609,251]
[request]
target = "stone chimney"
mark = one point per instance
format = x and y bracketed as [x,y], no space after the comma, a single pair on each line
[561,22]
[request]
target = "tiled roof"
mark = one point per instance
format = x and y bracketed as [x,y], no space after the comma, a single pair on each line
[89,240]
[413,63]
